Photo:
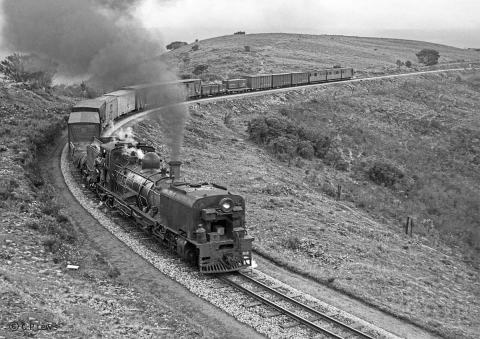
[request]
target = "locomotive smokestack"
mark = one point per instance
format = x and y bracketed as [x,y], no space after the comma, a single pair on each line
[175,169]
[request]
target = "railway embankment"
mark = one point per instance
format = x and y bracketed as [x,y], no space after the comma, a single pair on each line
[354,244]
[43,230]
[398,148]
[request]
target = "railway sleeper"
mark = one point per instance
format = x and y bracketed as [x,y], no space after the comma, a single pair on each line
[271,314]
[252,304]
[289,324]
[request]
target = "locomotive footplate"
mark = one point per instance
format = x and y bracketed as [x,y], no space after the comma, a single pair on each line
[220,267]
[223,261]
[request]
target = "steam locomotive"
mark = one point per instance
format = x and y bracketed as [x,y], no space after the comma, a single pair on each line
[203,223]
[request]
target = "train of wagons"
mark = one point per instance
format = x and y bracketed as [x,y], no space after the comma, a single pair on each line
[203,223]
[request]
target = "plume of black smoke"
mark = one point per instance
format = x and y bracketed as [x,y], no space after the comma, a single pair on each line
[172,120]
[99,38]
[86,37]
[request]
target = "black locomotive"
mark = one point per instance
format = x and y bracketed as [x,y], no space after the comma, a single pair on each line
[203,223]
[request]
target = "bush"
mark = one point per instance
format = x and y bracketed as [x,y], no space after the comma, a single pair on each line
[195,48]
[199,69]
[283,145]
[286,139]
[175,45]
[385,173]
[305,149]
[113,273]
[408,63]
[428,56]
[30,68]
[52,244]
[292,243]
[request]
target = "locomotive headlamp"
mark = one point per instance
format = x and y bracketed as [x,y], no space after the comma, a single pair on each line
[226,205]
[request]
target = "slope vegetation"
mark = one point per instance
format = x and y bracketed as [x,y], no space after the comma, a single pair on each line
[226,57]
[427,169]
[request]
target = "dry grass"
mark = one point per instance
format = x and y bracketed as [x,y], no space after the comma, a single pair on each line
[37,241]
[288,212]
[426,279]
[226,56]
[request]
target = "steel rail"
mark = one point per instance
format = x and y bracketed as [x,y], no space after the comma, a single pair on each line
[279,308]
[308,308]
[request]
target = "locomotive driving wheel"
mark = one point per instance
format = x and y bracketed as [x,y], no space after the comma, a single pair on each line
[190,255]
[109,202]
[140,204]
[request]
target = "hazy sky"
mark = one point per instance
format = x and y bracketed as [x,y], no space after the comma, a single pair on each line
[449,22]
[67,25]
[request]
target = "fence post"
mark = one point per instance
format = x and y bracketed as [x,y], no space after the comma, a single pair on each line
[406,226]
[339,192]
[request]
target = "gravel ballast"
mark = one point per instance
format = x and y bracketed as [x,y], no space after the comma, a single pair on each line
[225,298]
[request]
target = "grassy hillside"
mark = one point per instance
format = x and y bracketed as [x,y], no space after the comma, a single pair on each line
[226,56]
[38,239]
[398,148]
[420,135]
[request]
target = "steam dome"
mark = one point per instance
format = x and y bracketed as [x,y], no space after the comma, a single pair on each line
[151,160]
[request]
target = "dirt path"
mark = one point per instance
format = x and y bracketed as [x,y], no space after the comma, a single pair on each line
[148,280]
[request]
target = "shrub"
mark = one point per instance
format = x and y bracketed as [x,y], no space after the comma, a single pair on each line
[199,69]
[52,244]
[408,63]
[50,208]
[305,149]
[283,145]
[292,243]
[113,272]
[247,48]
[385,173]
[428,56]
[286,139]
[30,68]
[62,218]
[32,224]
[321,146]
[195,47]
[175,45]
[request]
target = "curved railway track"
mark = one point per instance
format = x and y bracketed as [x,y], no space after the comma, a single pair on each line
[136,115]
[271,297]
[308,320]
[297,313]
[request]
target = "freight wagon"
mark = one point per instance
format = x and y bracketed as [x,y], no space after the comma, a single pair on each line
[125,101]
[92,105]
[259,81]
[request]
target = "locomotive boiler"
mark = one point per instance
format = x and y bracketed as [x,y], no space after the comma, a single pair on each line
[203,223]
